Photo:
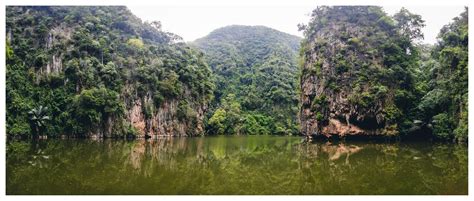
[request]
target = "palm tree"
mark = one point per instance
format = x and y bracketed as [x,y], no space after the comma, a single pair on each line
[38,119]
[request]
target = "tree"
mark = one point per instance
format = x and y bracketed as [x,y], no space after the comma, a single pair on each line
[93,106]
[136,43]
[38,119]
[258,66]
[109,74]
[445,83]
[361,53]
[409,24]
[8,50]
[156,25]
[110,61]
[227,118]
[217,122]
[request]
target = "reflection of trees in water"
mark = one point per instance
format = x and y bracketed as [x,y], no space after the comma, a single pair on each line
[137,153]
[410,168]
[208,165]
[318,167]
[166,152]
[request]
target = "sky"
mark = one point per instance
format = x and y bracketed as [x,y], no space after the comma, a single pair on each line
[193,22]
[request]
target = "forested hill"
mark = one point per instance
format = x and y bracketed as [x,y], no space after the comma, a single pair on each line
[250,45]
[100,71]
[364,74]
[255,69]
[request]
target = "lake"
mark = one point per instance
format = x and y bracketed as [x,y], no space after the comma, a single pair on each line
[234,165]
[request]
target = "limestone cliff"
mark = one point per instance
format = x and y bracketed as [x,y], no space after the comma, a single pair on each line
[102,72]
[164,120]
[355,79]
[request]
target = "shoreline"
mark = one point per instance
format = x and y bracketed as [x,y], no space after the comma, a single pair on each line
[305,139]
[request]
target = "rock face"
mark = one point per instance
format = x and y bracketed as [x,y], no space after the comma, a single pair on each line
[164,121]
[104,73]
[354,70]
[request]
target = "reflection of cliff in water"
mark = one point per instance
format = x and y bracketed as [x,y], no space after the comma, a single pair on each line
[145,153]
[238,165]
[169,152]
[331,151]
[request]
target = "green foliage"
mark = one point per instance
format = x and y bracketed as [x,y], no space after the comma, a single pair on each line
[158,99]
[354,41]
[410,24]
[433,102]
[109,75]
[363,100]
[229,119]
[319,116]
[136,43]
[92,107]
[131,131]
[226,120]
[40,60]
[257,124]
[461,131]
[392,113]
[259,66]
[185,112]
[386,22]
[218,122]
[38,119]
[317,68]
[8,51]
[110,59]
[442,125]
[319,103]
[17,149]
[446,82]
[370,60]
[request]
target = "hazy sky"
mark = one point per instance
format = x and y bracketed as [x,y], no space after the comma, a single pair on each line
[197,21]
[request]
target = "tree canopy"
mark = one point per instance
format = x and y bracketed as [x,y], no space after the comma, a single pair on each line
[88,64]
[255,68]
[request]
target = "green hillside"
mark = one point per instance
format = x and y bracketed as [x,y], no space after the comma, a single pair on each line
[255,69]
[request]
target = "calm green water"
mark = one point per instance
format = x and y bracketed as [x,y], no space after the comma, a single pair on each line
[234,165]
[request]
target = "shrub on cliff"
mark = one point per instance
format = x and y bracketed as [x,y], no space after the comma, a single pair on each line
[361,60]
[86,62]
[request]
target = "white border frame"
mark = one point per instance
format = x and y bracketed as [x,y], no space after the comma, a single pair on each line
[221,3]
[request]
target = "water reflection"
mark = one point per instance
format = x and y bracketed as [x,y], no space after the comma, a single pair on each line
[234,165]
[38,159]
